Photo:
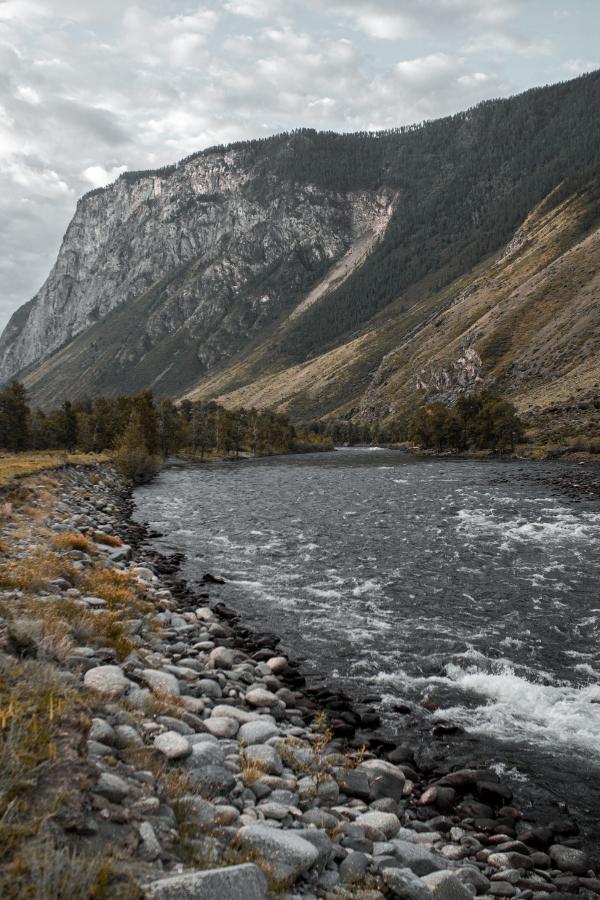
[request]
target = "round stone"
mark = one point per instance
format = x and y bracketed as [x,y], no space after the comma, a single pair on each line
[222,658]
[277,664]
[108,680]
[222,727]
[161,682]
[173,745]
[260,697]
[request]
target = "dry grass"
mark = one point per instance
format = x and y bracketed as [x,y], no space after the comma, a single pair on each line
[28,463]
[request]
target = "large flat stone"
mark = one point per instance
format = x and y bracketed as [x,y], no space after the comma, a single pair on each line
[286,853]
[245,882]
[234,712]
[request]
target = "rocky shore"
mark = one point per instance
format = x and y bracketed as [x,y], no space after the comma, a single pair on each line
[207,765]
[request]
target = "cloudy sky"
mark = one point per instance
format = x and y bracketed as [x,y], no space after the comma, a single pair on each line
[88,89]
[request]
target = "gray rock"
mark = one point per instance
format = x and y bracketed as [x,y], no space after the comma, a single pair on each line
[288,798]
[380,863]
[126,736]
[446,886]
[112,787]
[321,841]
[352,867]
[198,810]
[261,697]
[149,848]
[328,879]
[222,658]
[387,823]
[222,727]
[273,810]
[502,889]
[266,756]
[102,732]
[405,884]
[257,732]
[174,724]
[95,748]
[354,783]
[385,780]
[567,859]
[107,680]
[420,861]
[473,876]
[161,682]
[212,781]
[245,882]
[241,715]
[285,851]
[320,818]
[173,745]
[210,688]
[204,754]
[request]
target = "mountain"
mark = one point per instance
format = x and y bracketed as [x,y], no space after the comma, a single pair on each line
[309,270]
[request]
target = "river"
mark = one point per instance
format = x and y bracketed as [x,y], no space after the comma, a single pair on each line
[461,583]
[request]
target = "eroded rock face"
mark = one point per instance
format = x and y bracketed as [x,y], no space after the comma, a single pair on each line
[211,224]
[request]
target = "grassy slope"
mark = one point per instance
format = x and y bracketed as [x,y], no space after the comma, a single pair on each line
[532,315]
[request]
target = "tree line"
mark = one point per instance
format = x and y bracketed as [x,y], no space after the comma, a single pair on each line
[141,428]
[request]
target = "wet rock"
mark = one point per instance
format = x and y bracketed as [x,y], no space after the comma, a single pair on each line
[245,881]
[161,682]
[447,886]
[107,680]
[494,794]
[568,859]
[173,745]
[111,787]
[149,848]
[353,867]
[420,861]
[222,727]
[405,884]
[286,851]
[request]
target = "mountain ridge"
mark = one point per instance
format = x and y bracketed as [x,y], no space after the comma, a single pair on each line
[244,262]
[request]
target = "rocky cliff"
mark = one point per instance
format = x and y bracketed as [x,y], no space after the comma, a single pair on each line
[194,241]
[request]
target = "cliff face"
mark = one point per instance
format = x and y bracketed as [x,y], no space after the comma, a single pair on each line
[208,230]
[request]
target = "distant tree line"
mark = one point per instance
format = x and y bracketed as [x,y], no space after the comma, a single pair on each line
[481,420]
[141,428]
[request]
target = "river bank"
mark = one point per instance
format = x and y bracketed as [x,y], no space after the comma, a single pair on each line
[203,745]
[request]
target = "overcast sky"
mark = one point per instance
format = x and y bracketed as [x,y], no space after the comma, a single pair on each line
[88,89]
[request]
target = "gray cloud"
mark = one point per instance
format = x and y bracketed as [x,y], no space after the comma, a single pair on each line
[89,89]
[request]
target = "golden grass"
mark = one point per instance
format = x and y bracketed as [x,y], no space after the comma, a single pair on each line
[12,464]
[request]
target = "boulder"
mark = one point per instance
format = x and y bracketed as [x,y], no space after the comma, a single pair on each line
[111,787]
[212,781]
[107,680]
[473,876]
[321,841]
[257,732]
[353,867]
[406,885]
[222,727]
[173,745]
[567,859]
[265,756]
[387,823]
[447,886]
[285,851]
[240,715]
[222,658]
[161,682]
[277,664]
[417,859]
[245,882]
[261,697]
[149,847]
[385,780]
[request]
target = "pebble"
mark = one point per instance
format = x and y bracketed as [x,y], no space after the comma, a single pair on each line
[173,745]
[222,727]
[161,682]
[261,697]
[107,680]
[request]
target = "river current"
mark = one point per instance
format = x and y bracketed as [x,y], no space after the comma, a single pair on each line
[457,582]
